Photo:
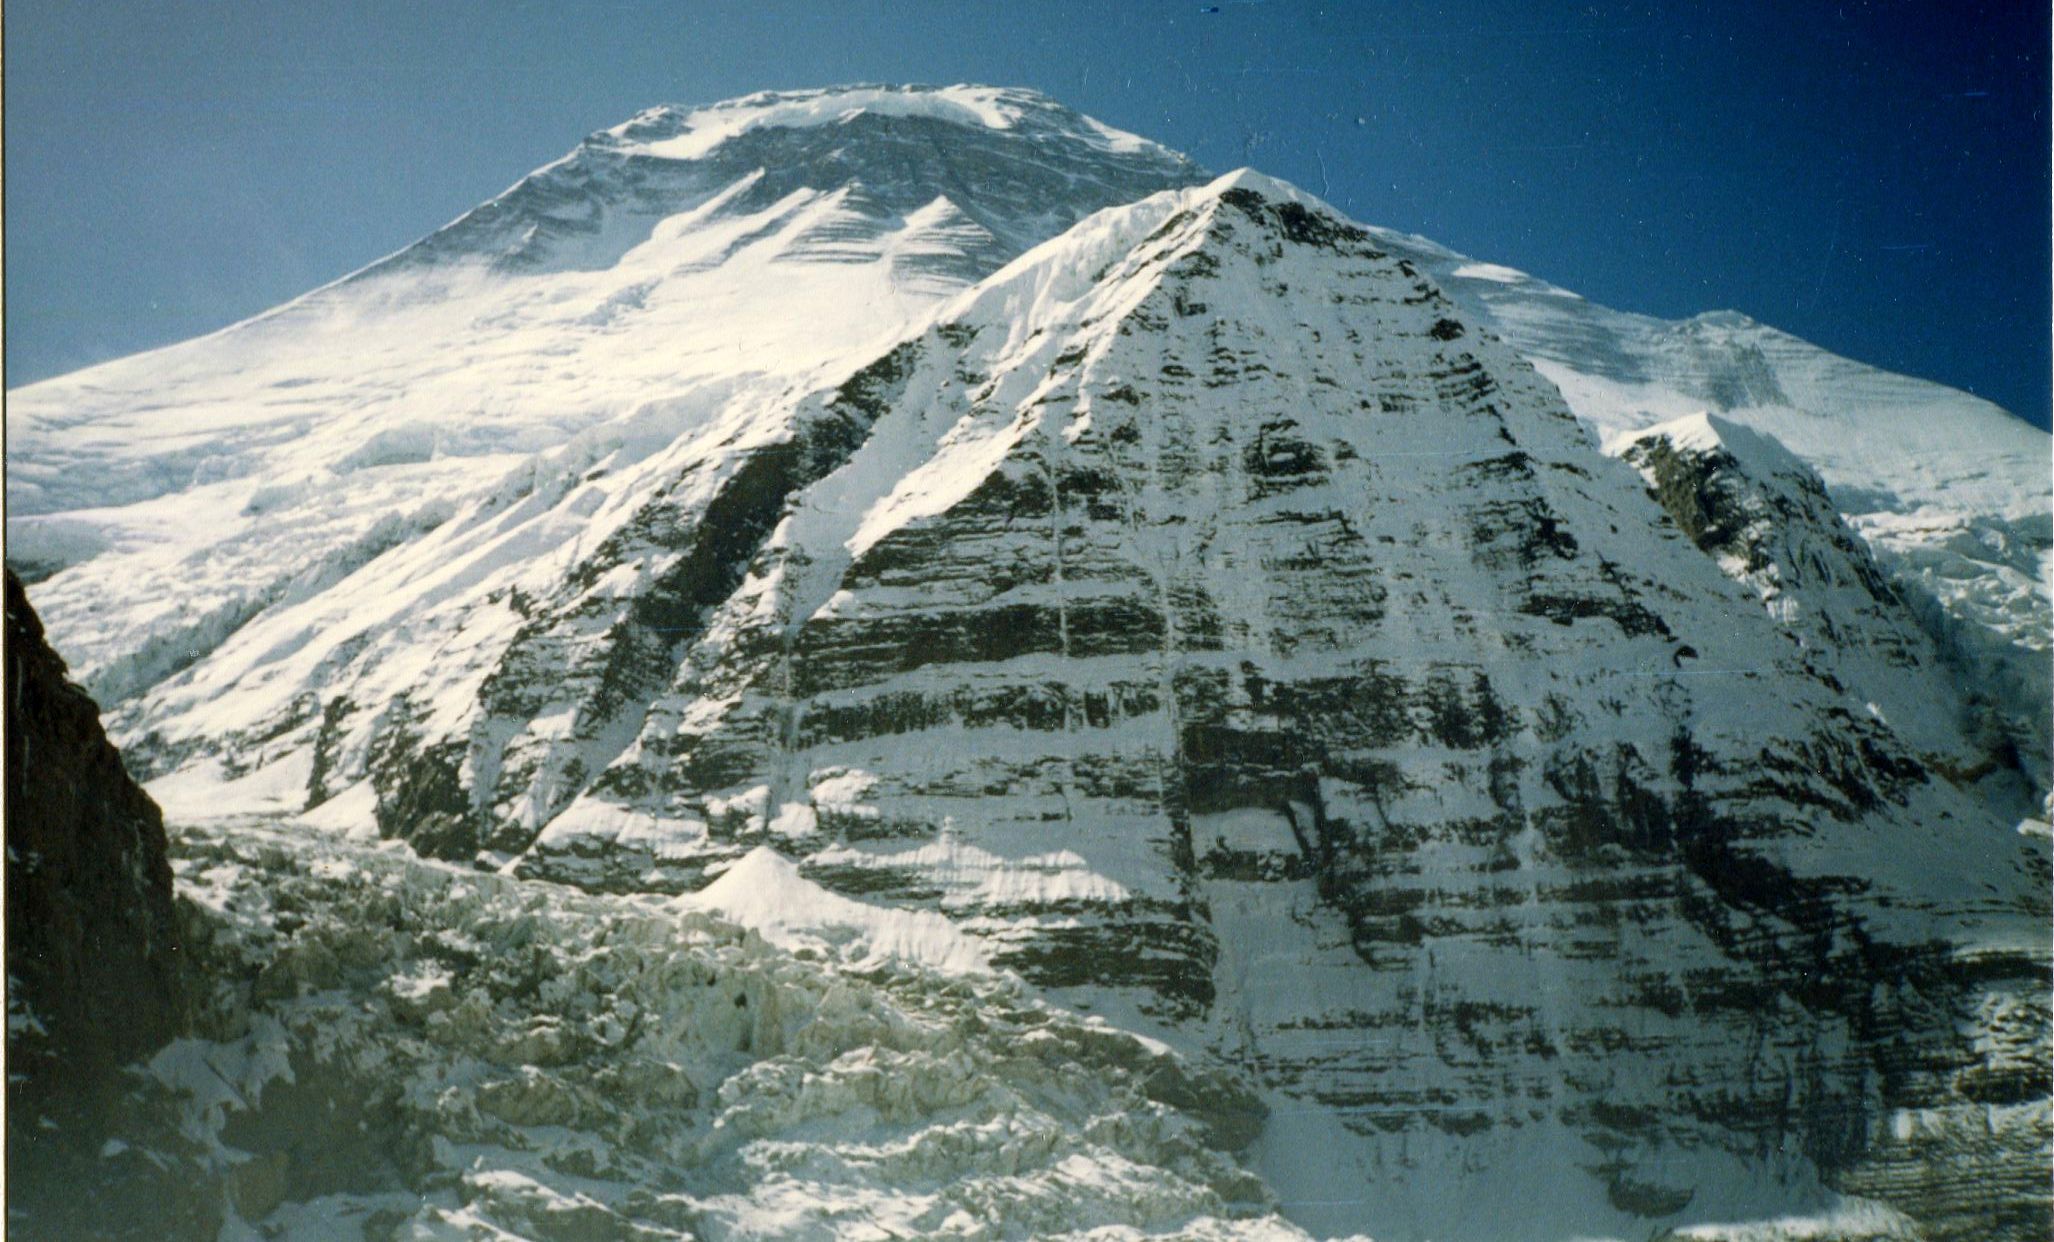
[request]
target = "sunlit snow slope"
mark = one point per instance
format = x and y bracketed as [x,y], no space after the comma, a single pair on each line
[665,271]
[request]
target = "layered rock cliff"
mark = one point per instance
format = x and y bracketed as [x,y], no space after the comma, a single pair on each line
[1951,493]
[1765,517]
[1222,626]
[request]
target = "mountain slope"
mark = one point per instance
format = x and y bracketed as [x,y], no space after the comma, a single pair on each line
[611,301]
[1291,664]
[592,314]
[1766,518]
[1214,623]
[1953,493]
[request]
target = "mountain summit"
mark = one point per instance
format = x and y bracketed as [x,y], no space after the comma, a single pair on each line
[986,173]
[636,262]
[934,520]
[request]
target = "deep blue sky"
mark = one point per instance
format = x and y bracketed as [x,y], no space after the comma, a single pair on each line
[1871,176]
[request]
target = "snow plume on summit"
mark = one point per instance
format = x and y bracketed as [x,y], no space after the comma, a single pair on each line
[689,133]
[946,537]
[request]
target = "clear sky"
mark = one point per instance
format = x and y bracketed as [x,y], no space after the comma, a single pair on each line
[1870,176]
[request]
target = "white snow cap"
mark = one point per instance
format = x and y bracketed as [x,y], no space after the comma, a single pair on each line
[684,133]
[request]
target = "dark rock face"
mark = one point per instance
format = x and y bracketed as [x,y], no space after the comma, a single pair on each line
[1765,518]
[94,972]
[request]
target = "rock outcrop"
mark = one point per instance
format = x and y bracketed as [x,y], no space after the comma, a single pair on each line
[1950,492]
[1765,518]
[95,977]
[93,952]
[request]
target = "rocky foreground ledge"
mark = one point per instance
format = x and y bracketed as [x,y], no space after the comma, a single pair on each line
[94,969]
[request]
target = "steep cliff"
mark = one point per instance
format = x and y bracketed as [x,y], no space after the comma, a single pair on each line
[95,976]
[92,943]
[1950,492]
[1765,518]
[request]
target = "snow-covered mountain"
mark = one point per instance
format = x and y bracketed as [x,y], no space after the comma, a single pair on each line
[933,512]
[599,309]
[1952,494]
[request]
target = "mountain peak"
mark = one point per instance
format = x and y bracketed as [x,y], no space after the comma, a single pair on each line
[1023,167]
[868,203]
[673,131]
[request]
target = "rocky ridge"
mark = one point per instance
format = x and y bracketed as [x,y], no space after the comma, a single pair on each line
[1951,493]
[93,952]
[1767,519]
